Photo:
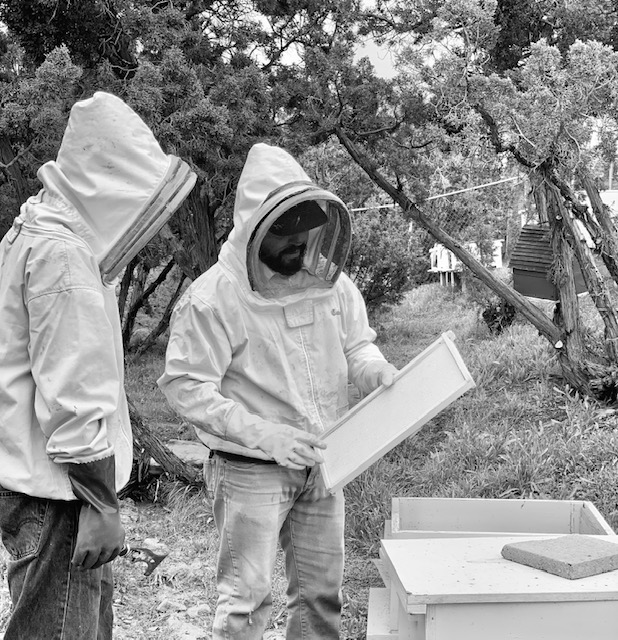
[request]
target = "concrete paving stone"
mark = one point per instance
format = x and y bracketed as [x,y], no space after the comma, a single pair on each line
[571,556]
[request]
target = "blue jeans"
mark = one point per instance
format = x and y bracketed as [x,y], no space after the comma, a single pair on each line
[256,506]
[51,600]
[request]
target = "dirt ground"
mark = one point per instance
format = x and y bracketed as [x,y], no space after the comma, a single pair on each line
[177,601]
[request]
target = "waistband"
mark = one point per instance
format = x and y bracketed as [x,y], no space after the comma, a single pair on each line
[235,457]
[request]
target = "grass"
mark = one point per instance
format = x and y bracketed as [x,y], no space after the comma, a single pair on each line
[519,433]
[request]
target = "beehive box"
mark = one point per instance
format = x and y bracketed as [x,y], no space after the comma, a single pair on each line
[463,589]
[474,517]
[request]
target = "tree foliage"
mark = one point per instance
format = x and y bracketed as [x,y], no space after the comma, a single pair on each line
[544,107]
[381,263]
[525,22]
[209,78]
[461,113]
[485,89]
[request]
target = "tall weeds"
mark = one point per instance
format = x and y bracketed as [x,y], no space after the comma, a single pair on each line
[520,433]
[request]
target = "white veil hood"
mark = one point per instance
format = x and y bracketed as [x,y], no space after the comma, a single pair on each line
[271,183]
[112,170]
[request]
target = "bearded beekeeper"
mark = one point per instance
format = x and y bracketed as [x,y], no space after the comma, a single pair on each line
[261,349]
[65,435]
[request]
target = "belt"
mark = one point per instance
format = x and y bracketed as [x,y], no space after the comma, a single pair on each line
[236,457]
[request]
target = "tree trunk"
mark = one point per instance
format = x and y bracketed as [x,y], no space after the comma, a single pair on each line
[147,443]
[195,252]
[125,285]
[138,282]
[137,302]
[195,226]
[566,314]
[601,228]
[593,279]
[162,324]
[13,172]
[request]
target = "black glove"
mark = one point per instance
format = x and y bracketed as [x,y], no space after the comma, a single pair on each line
[100,534]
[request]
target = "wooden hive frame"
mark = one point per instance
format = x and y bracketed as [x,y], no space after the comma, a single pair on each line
[423,388]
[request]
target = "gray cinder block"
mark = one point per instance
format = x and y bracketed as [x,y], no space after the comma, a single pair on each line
[572,556]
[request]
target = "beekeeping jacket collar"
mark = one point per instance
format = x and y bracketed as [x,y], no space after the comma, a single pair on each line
[270,184]
[120,185]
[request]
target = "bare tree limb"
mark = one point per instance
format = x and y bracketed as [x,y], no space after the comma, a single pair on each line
[162,325]
[145,441]
[528,310]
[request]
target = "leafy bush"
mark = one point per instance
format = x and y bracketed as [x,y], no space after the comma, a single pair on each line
[380,263]
[497,313]
[419,245]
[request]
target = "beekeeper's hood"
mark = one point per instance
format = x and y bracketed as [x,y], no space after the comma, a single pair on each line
[121,187]
[271,184]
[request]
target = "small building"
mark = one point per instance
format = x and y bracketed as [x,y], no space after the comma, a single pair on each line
[531,263]
[445,262]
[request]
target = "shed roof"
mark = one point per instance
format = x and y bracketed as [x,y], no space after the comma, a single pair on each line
[533,250]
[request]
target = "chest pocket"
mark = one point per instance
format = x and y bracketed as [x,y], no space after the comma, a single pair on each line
[299,314]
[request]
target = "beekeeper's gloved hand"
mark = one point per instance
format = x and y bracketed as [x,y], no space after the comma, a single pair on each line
[380,373]
[289,447]
[100,534]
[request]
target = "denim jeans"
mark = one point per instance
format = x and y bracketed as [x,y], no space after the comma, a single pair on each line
[50,599]
[256,506]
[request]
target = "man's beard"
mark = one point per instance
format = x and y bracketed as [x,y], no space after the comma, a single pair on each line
[287,262]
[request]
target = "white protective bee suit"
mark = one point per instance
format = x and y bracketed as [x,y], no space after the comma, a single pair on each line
[251,350]
[62,400]
[65,435]
[250,347]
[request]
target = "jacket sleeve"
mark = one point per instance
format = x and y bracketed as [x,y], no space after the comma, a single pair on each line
[199,354]
[364,358]
[73,361]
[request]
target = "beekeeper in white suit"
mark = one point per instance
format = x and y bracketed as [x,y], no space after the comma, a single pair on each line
[261,349]
[65,435]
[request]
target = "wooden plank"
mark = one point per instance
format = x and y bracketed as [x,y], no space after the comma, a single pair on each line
[378,624]
[381,570]
[395,606]
[597,620]
[485,515]
[411,626]
[448,517]
[396,591]
[423,388]
[387,529]
[464,570]
[399,604]
[592,522]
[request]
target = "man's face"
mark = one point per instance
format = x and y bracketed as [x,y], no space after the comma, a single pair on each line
[284,254]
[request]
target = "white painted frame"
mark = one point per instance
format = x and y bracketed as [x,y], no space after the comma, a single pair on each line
[413,517]
[423,388]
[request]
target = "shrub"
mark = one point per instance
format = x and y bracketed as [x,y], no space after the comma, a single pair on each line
[380,263]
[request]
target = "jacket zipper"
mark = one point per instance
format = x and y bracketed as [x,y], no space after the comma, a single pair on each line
[309,373]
